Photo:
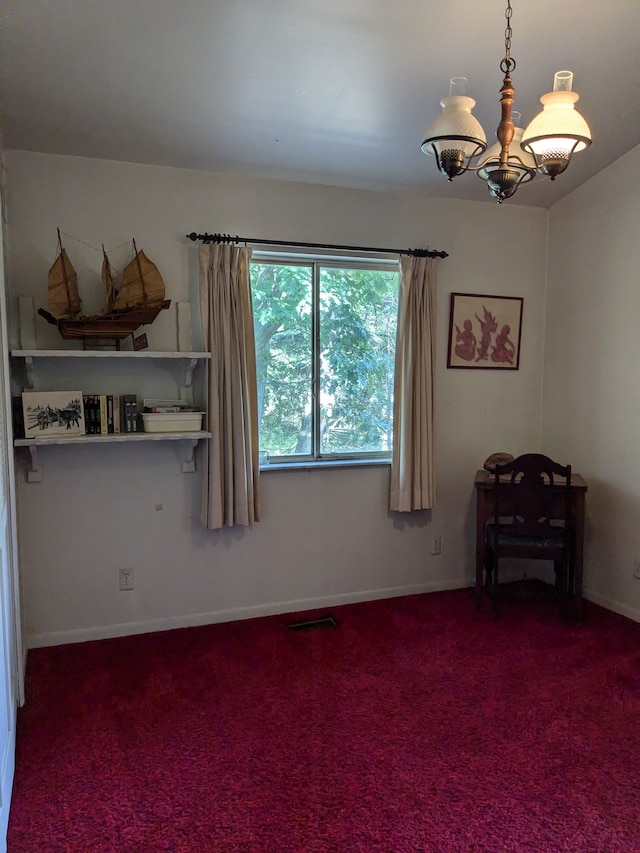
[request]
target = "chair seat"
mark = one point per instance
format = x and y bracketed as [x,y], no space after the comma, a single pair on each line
[507,539]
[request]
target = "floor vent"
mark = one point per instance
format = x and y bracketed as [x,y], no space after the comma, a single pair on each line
[320,622]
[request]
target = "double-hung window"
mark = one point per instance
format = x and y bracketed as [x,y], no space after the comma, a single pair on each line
[325,347]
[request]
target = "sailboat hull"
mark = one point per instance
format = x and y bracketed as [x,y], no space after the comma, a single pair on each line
[115,325]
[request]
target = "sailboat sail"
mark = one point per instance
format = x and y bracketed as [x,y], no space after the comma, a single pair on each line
[109,282]
[142,284]
[63,299]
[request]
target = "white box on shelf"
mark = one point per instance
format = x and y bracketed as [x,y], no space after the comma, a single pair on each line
[172,421]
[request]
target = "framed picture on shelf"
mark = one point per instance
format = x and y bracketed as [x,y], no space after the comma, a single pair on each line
[48,413]
[484,331]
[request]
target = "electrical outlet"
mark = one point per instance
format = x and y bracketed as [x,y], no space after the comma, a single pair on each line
[436,546]
[636,568]
[126,579]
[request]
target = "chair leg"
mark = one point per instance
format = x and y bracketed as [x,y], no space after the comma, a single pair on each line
[480,585]
[487,581]
[571,580]
[488,573]
[571,601]
[494,589]
[560,569]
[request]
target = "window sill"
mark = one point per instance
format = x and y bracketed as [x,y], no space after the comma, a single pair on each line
[322,464]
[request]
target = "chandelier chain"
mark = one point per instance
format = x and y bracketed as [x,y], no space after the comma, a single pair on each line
[508,64]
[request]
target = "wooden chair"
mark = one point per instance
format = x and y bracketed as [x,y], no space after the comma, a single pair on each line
[532,520]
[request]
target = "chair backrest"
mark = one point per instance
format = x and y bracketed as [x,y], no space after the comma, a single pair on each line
[532,495]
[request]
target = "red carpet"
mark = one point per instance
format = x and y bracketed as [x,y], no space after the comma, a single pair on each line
[416,726]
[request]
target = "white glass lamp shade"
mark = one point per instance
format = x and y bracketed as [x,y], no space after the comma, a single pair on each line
[521,168]
[455,137]
[556,132]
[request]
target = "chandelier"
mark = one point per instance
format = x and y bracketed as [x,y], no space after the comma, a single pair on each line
[459,144]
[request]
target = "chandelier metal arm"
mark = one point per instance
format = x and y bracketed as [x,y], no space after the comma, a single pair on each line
[514,160]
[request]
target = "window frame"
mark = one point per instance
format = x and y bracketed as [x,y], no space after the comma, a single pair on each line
[316,261]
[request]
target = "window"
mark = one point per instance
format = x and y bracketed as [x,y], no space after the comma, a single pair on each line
[325,348]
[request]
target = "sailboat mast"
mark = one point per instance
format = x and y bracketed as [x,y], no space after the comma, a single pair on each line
[107,280]
[65,274]
[137,256]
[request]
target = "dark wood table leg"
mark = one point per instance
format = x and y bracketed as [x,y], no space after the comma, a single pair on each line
[481,518]
[578,552]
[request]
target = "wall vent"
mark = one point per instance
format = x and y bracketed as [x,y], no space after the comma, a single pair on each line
[319,622]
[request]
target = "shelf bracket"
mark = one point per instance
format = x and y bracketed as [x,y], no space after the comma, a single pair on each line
[186,389]
[34,472]
[28,365]
[188,371]
[189,464]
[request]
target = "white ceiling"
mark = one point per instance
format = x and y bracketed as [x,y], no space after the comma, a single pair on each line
[329,91]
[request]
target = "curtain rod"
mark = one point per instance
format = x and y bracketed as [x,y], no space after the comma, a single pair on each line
[227,238]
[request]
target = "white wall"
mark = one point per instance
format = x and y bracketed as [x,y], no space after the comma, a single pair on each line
[592,361]
[326,536]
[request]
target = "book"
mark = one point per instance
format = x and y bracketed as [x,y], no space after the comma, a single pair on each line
[104,429]
[131,415]
[90,414]
[124,413]
[110,424]
[116,413]
[87,424]
[129,412]
[95,409]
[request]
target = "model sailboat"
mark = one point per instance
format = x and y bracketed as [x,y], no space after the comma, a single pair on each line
[134,301]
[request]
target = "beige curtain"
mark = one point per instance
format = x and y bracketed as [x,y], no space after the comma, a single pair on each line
[231,478]
[413,466]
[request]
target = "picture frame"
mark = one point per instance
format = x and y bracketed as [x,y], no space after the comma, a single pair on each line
[52,413]
[485,331]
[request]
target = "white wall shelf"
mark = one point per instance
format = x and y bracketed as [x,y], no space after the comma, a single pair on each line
[34,474]
[191,358]
[191,439]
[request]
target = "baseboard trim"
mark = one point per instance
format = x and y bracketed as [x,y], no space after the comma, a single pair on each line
[610,604]
[106,632]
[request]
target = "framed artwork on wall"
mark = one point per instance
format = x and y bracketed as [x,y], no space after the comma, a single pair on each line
[48,413]
[484,331]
